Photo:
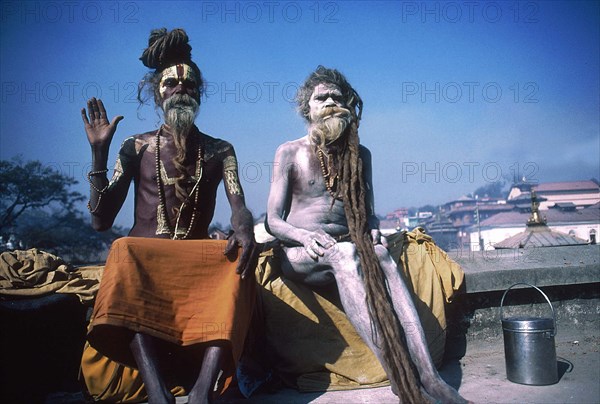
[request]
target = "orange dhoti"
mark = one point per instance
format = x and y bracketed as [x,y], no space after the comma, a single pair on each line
[185,292]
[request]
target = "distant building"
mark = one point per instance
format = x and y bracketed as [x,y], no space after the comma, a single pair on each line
[391,226]
[582,223]
[395,221]
[581,194]
[401,220]
[467,216]
[521,187]
[571,207]
[538,234]
[401,214]
[443,232]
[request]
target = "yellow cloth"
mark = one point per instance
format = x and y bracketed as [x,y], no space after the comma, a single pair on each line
[30,273]
[316,348]
[433,278]
[109,381]
[185,292]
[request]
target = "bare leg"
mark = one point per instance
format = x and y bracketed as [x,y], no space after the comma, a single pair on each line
[343,265]
[415,336]
[353,297]
[211,364]
[144,352]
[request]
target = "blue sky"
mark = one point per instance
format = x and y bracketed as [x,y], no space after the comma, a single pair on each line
[456,94]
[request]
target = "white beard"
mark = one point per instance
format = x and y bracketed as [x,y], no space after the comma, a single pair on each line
[331,126]
[180,113]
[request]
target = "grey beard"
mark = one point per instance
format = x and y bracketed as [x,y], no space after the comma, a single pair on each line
[329,128]
[180,112]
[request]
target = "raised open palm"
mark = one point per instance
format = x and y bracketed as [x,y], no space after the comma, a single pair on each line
[99,131]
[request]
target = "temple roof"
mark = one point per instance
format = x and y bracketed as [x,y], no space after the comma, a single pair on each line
[539,236]
[591,214]
[567,186]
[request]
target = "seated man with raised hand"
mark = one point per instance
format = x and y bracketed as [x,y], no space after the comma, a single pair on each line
[321,209]
[164,289]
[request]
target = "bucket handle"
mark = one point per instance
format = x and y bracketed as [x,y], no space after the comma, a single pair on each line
[553,333]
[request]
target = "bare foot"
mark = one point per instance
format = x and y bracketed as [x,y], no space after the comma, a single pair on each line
[441,392]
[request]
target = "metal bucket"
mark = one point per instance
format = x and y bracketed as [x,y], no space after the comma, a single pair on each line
[529,348]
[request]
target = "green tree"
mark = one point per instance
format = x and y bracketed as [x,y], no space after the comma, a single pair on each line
[40,210]
[31,185]
[67,234]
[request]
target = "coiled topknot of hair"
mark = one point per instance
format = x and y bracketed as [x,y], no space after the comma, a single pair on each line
[166,49]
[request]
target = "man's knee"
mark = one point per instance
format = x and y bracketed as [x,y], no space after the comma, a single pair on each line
[342,251]
[340,257]
[343,257]
[295,256]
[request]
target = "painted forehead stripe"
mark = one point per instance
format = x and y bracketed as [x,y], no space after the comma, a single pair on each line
[180,72]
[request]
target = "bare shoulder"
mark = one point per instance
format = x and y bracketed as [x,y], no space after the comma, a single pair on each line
[295,144]
[216,148]
[137,143]
[292,147]
[143,138]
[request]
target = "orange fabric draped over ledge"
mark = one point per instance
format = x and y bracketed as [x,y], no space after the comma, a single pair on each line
[185,292]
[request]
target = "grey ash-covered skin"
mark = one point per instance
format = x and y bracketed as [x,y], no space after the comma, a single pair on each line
[311,223]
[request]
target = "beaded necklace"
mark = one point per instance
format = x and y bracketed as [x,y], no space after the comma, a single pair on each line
[330,180]
[161,193]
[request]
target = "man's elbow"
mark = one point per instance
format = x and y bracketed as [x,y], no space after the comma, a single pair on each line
[272,224]
[268,219]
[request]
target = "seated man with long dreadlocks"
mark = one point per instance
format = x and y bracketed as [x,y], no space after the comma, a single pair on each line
[161,297]
[321,209]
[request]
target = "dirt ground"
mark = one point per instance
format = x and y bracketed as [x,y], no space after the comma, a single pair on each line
[480,377]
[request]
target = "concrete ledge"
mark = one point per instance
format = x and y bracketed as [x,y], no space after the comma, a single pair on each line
[569,276]
[487,271]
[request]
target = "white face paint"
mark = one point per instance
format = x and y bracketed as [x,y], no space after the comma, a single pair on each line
[176,75]
[328,112]
[324,95]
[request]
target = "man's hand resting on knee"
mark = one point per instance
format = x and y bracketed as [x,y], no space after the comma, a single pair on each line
[317,242]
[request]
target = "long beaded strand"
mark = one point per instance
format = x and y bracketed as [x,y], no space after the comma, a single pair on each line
[161,193]
[327,177]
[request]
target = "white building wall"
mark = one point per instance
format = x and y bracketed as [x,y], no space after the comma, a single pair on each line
[493,236]
[582,230]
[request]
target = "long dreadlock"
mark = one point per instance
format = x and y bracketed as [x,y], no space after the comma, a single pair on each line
[353,193]
[392,338]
